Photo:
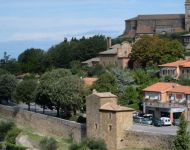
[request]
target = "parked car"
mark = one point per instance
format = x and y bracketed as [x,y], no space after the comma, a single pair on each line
[166,121]
[176,122]
[157,122]
[150,116]
[147,121]
[137,119]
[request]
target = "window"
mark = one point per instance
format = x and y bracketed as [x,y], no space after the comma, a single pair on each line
[110,115]
[110,127]
[96,126]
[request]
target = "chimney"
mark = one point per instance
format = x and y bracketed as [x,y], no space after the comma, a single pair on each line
[109,44]
[94,91]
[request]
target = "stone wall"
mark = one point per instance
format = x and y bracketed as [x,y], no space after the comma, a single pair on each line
[147,140]
[44,123]
[68,129]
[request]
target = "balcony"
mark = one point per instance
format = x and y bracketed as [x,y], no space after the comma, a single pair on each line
[157,104]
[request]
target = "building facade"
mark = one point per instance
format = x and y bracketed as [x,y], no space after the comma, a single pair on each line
[106,120]
[180,68]
[158,24]
[167,100]
[117,55]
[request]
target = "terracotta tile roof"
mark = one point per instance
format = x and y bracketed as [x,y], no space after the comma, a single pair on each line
[159,87]
[89,81]
[174,64]
[105,95]
[186,64]
[180,89]
[115,108]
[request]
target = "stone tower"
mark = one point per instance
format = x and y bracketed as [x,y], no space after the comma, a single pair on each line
[187,15]
[106,120]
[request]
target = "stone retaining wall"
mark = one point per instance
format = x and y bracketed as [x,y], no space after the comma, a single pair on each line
[148,140]
[44,123]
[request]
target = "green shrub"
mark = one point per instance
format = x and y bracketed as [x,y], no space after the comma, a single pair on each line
[11,135]
[96,144]
[4,128]
[1,145]
[10,146]
[74,146]
[89,144]
[48,144]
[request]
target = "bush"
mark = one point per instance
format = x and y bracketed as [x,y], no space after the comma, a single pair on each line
[89,144]
[96,144]
[10,146]
[11,135]
[182,139]
[48,144]
[1,145]
[4,128]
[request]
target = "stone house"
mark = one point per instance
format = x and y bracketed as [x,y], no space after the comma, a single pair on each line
[176,69]
[158,24]
[167,100]
[115,55]
[107,120]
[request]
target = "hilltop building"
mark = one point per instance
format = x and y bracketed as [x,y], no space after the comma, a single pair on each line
[115,55]
[107,120]
[158,24]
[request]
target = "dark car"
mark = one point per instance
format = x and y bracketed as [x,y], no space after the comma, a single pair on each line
[176,122]
[157,123]
[137,119]
[147,121]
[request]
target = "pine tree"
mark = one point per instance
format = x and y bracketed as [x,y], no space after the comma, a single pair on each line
[182,140]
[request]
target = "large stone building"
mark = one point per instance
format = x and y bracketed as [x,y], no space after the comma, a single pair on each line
[117,54]
[107,120]
[158,24]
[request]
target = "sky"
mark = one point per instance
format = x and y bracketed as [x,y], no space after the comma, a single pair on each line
[44,23]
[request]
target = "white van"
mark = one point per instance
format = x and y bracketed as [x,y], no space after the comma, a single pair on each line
[166,121]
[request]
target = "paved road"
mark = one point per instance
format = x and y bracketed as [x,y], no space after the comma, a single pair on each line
[161,130]
[38,109]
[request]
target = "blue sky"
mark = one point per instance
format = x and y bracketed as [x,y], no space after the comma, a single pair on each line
[43,23]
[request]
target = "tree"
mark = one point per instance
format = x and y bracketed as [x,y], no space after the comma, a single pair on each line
[68,91]
[7,86]
[106,83]
[182,140]
[184,81]
[76,49]
[151,51]
[9,64]
[3,72]
[42,98]
[124,78]
[131,95]
[96,70]
[33,60]
[25,92]
[50,93]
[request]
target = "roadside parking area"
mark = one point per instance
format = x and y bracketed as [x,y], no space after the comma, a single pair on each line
[171,130]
